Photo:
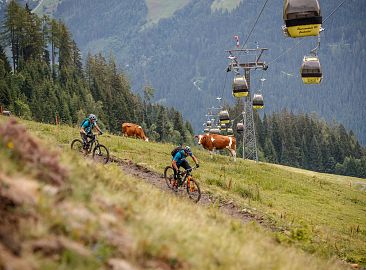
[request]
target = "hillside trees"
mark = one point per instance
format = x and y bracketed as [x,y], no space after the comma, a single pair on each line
[308,142]
[46,79]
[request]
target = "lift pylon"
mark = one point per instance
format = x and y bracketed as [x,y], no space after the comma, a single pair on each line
[250,150]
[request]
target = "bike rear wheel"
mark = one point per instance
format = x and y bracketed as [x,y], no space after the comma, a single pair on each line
[193,190]
[169,176]
[77,145]
[101,154]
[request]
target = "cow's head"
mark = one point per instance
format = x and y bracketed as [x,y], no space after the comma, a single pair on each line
[199,138]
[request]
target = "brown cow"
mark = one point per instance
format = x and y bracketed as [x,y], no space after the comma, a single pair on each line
[133,130]
[214,142]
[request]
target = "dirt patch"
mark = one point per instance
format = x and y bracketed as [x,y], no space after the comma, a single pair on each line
[27,151]
[157,180]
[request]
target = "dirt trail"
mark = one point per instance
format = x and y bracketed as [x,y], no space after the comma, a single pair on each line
[157,180]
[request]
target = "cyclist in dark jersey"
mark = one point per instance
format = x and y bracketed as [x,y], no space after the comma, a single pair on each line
[86,129]
[179,160]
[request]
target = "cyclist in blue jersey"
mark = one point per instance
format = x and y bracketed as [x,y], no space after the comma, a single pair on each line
[179,160]
[86,129]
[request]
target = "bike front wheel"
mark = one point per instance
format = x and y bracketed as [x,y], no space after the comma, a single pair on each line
[193,190]
[169,176]
[101,154]
[77,145]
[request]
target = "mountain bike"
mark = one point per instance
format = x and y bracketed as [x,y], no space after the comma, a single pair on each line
[100,152]
[184,180]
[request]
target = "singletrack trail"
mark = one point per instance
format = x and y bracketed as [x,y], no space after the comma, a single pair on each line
[157,180]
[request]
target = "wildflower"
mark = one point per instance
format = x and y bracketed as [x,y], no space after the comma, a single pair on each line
[10,145]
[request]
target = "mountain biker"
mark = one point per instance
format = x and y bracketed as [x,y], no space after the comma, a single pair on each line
[179,160]
[86,129]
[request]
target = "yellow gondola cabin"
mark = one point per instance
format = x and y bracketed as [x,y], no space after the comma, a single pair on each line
[311,71]
[302,18]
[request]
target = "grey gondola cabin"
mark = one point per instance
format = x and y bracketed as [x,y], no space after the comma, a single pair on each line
[302,18]
[311,71]
[230,132]
[224,117]
[258,102]
[208,124]
[222,127]
[240,87]
[239,127]
[215,131]
[206,130]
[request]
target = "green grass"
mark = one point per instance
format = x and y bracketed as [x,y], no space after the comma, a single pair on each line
[160,9]
[321,214]
[228,5]
[47,7]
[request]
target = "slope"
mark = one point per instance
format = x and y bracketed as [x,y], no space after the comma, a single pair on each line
[70,213]
[320,213]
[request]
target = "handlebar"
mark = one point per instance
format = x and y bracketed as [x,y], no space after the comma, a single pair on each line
[188,171]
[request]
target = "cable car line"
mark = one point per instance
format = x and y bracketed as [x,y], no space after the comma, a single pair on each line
[256,21]
[334,10]
[300,41]
[223,88]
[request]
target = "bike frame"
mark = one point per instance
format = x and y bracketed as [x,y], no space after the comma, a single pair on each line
[93,141]
[187,176]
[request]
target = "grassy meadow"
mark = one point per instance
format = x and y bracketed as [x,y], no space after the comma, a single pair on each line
[225,5]
[46,7]
[321,214]
[158,9]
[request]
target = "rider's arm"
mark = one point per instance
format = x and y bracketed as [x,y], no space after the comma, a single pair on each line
[83,126]
[98,128]
[82,130]
[174,164]
[194,159]
[175,159]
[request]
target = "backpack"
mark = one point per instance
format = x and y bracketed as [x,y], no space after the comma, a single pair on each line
[82,123]
[176,150]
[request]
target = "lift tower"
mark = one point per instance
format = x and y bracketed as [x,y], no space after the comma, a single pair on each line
[250,150]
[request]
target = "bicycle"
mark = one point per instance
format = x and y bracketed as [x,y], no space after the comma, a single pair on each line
[191,185]
[100,152]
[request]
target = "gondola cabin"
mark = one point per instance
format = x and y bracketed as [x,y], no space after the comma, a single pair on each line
[208,124]
[258,102]
[222,127]
[230,132]
[206,130]
[215,131]
[224,117]
[240,87]
[240,127]
[302,18]
[311,71]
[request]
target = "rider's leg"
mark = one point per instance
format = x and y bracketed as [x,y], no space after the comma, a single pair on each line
[84,137]
[176,178]
[185,165]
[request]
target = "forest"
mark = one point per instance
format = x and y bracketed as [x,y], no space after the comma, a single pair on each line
[306,141]
[45,78]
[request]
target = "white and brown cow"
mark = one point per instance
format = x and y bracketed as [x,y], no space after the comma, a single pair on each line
[133,130]
[214,142]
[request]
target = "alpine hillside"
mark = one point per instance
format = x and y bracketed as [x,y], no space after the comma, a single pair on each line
[251,215]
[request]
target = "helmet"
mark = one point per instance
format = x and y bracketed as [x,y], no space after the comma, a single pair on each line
[92,117]
[187,149]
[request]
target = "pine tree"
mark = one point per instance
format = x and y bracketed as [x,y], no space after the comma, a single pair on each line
[270,151]
[12,33]
[315,159]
